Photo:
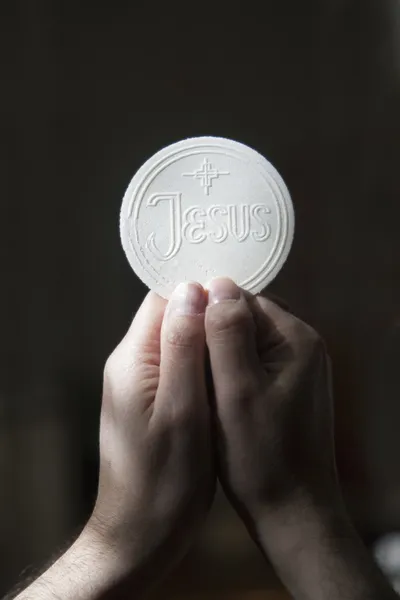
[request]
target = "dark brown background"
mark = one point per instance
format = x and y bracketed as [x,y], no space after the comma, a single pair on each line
[92,89]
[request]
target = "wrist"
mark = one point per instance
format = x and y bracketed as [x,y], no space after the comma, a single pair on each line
[89,570]
[125,572]
[317,552]
[138,555]
[302,519]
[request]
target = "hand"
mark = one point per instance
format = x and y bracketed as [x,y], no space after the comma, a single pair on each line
[156,470]
[157,476]
[273,413]
[273,402]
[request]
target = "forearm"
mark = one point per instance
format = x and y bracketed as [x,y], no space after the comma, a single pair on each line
[319,556]
[89,570]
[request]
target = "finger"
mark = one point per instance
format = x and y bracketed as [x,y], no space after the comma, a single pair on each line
[281,302]
[272,324]
[270,296]
[231,340]
[182,376]
[272,318]
[283,340]
[145,329]
[141,343]
[268,314]
[131,372]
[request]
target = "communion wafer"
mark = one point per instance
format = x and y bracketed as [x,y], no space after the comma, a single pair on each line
[206,207]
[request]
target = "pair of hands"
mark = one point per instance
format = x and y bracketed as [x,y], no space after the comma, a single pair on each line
[259,418]
[224,385]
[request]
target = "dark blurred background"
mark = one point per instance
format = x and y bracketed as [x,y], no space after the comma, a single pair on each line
[89,91]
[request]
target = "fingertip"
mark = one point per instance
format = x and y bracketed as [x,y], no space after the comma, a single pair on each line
[281,302]
[222,289]
[228,308]
[188,298]
[153,299]
[270,306]
[148,318]
[183,325]
[152,307]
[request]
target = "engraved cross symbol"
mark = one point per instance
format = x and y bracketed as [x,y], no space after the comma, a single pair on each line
[206,174]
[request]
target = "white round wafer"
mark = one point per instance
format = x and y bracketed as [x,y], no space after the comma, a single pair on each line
[206,207]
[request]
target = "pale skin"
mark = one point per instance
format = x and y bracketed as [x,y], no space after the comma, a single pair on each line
[264,429]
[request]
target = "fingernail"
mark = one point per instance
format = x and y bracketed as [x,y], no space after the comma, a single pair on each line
[188,299]
[222,289]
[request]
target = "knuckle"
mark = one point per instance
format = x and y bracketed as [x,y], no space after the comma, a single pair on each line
[115,365]
[183,334]
[175,418]
[310,342]
[243,387]
[110,366]
[181,418]
[313,340]
[120,373]
[318,350]
[303,333]
[307,342]
[224,320]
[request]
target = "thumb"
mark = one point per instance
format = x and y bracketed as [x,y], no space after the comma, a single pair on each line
[231,340]
[182,371]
